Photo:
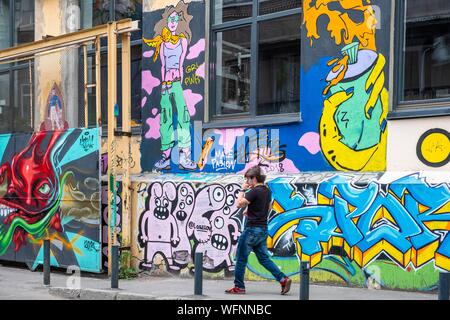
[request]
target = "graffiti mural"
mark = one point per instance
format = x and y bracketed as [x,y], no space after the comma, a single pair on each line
[179,220]
[172,84]
[367,229]
[353,125]
[406,220]
[105,233]
[50,189]
[433,148]
[237,149]
[54,114]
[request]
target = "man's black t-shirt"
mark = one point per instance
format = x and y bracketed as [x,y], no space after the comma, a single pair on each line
[260,198]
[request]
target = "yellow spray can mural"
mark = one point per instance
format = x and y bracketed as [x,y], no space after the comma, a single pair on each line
[353,125]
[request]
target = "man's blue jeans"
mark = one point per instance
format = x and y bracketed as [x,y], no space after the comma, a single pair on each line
[253,238]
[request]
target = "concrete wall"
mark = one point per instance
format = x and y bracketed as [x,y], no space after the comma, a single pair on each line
[419,144]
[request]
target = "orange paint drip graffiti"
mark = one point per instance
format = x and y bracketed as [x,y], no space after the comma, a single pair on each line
[68,245]
[341,26]
[341,66]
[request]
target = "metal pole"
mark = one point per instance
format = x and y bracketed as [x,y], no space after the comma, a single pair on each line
[115,267]
[443,287]
[304,280]
[46,262]
[86,97]
[126,139]
[112,96]
[98,86]
[198,277]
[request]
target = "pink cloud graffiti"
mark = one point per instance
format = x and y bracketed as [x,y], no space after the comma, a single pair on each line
[153,123]
[201,71]
[196,49]
[311,142]
[192,99]
[149,82]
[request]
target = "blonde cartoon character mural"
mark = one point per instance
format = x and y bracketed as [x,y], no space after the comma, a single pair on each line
[172,37]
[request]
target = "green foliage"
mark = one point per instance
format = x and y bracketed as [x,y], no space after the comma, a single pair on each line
[125,271]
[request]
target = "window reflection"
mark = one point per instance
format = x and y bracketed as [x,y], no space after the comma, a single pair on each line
[22,103]
[272,6]
[24,21]
[427,50]
[4,24]
[5,104]
[279,66]
[229,10]
[233,71]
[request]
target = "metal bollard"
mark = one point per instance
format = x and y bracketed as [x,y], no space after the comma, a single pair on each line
[198,276]
[443,287]
[46,262]
[115,267]
[304,280]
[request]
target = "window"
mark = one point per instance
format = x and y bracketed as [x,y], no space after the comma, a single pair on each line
[97,12]
[255,59]
[135,83]
[23,21]
[5,24]
[15,99]
[16,79]
[424,57]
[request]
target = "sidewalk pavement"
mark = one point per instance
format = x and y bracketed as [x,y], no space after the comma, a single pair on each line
[22,284]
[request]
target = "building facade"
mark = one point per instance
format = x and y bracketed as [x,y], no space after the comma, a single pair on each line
[344,103]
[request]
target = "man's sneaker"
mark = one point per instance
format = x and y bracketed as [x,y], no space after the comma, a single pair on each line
[235,290]
[285,285]
[163,163]
[185,162]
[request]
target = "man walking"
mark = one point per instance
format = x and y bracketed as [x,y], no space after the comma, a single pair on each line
[257,197]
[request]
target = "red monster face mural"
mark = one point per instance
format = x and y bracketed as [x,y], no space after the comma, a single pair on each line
[32,184]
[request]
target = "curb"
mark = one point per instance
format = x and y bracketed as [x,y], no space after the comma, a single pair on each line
[98,294]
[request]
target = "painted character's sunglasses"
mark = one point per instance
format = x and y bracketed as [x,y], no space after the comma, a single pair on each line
[174,19]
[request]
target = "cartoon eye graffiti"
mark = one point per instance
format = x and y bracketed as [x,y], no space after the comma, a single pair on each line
[219,223]
[218,195]
[165,203]
[182,205]
[158,202]
[229,188]
[226,210]
[230,200]
[189,200]
[44,189]
[184,191]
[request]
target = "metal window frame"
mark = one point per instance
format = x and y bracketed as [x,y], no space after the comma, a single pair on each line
[417,108]
[249,118]
[136,131]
